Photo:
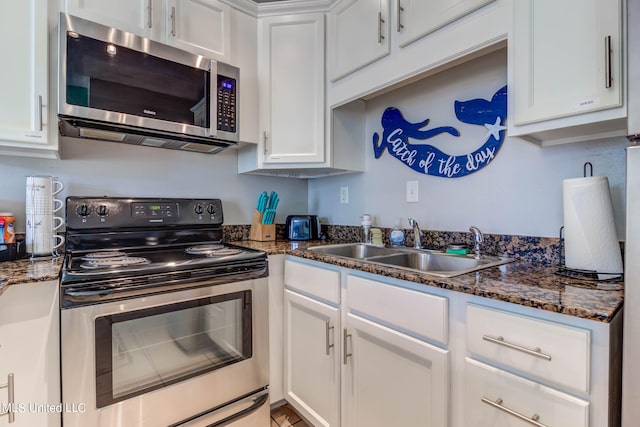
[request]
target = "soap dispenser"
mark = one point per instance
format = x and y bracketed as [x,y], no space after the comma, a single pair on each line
[366,226]
[397,235]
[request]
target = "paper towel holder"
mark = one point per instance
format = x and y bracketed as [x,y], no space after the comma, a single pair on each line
[575,273]
[584,171]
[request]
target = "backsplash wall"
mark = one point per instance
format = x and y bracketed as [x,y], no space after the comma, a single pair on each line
[94,168]
[518,193]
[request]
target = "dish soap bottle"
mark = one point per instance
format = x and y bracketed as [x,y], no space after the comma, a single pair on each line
[397,235]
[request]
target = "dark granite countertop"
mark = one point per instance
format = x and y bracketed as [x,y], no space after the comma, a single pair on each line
[525,283]
[28,271]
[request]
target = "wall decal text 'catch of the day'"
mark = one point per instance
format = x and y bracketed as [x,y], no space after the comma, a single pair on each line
[429,160]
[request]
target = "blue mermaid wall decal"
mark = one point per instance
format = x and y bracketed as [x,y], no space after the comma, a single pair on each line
[427,159]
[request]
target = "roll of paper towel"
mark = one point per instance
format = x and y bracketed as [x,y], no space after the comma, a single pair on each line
[591,241]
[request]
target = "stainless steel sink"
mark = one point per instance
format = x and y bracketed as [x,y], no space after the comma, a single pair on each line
[439,264]
[353,250]
[431,262]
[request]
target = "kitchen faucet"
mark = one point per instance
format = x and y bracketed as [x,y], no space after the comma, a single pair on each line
[417,233]
[478,238]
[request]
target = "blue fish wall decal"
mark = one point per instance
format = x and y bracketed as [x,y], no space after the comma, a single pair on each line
[429,160]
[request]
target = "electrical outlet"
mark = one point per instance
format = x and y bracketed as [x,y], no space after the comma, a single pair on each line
[344,195]
[412,191]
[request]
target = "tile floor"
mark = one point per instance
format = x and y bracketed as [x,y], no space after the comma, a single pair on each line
[285,416]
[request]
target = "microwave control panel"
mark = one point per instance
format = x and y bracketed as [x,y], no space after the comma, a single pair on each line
[227,112]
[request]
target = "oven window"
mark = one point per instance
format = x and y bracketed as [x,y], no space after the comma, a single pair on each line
[147,349]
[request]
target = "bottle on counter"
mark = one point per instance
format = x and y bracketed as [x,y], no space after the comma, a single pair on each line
[8,235]
[1,230]
[396,238]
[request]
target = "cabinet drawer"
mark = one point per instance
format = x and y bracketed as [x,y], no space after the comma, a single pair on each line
[412,311]
[550,351]
[497,398]
[320,282]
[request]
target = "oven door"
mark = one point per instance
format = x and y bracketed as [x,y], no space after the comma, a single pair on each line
[162,359]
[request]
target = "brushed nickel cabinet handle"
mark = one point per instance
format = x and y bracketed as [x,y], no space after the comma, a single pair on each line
[40,114]
[150,12]
[380,22]
[11,410]
[399,11]
[327,329]
[266,141]
[345,355]
[608,76]
[532,352]
[173,21]
[498,404]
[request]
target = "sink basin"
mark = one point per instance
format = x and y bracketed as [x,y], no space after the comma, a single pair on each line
[439,264]
[424,261]
[353,250]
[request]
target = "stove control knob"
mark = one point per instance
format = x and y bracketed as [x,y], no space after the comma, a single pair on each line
[198,209]
[103,210]
[83,210]
[211,209]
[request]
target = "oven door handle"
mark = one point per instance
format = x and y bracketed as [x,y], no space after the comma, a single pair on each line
[90,293]
[212,419]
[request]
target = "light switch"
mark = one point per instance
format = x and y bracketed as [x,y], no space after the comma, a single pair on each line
[344,195]
[412,191]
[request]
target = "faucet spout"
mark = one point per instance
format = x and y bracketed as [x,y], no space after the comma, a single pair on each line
[478,238]
[417,233]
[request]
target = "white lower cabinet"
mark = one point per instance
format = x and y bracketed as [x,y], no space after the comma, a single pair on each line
[392,379]
[363,350]
[311,358]
[30,355]
[499,399]
[361,369]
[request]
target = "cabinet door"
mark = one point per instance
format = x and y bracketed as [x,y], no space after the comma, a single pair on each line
[200,26]
[30,350]
[417,18]
[548,81]
[311,359]
[291,70]
[140,17]
[391,379]
[23,83]
[358,35]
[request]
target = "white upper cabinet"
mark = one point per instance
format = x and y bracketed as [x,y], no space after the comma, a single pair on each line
[24,104]
[417,18]
[140,17]
[358,35]
[291,70]
[566,60]
[201,27]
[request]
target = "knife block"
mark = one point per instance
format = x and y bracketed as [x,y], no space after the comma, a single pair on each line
[259,231]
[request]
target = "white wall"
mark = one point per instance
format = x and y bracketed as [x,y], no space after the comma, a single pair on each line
[519,192]
[94,168]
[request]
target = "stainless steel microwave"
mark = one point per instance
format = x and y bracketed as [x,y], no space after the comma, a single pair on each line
[119,87]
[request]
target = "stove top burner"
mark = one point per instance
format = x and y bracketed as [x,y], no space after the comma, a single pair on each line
[203,249]
[212,250]
[104,254]
[114,262]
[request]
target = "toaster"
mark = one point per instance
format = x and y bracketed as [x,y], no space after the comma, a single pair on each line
[303,227]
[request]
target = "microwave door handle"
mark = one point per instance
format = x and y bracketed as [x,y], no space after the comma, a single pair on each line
[213,96]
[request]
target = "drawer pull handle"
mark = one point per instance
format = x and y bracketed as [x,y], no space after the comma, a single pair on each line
[345,355]
[10,412]
[498,404]
[326,336]
[533,352]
